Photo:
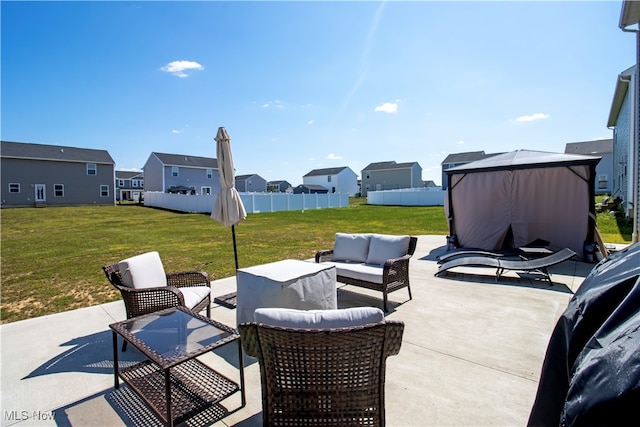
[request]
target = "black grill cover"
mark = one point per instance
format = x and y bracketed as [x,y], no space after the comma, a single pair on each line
[591,372]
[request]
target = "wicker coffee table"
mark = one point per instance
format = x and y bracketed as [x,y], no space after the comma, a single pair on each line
[172,382]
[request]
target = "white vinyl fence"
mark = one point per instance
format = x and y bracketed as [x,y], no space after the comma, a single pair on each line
[407,197]
[253,202]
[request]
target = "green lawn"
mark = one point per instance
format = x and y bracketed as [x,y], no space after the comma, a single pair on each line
[52,257]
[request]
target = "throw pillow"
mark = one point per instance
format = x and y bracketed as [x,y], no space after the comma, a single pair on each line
[384,247]
[351,247]
[143,271]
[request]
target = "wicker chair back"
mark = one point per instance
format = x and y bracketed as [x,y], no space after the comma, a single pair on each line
[323,377]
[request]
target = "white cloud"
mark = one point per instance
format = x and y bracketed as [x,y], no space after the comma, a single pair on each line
[332,156]
[461,142]
[532,117]
[175,131]
[387,107]
[274,104]
[179,68]
[310,122]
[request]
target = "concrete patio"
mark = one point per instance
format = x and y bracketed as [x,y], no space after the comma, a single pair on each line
[471,353]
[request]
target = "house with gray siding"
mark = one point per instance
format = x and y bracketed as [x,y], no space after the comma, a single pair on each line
[170,172]
[391,176]
[55,175]
[622,118]
[604,170]
[129,185]
[310,189]
[458,159]
[251,183]
[335,180]
[278,186]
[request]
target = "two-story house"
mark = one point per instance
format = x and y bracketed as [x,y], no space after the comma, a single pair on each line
[623,118]
[604,169]
[55,175]
[168,172]
[335,180]
[129,185]
[278,186]
[251,183]
[391,176]
[458,159]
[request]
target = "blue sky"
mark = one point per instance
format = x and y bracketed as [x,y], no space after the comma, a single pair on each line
[307,85]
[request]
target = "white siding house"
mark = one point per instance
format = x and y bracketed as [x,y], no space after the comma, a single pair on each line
[335,180]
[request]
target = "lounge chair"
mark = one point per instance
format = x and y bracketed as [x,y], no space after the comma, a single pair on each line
[539,264]
[537,244]
[468,253]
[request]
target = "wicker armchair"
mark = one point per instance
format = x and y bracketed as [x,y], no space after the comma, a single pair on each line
[171,293]
[322,377]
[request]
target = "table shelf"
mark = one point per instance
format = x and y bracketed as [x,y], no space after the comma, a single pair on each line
[194,388]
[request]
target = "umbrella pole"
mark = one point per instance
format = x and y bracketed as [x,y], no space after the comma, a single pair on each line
[235,251]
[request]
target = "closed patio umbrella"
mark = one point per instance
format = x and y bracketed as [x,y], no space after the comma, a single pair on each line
[228,208]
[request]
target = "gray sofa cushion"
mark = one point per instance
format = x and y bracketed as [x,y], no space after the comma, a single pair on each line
[384,247]
[351,247]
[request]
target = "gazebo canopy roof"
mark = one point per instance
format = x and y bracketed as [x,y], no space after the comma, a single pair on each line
[524,159]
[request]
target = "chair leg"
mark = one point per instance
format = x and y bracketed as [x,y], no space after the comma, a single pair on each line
[124,345]
[384,301]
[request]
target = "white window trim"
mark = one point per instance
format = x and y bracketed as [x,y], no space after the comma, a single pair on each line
[101,190]
[92,167]
[55,189]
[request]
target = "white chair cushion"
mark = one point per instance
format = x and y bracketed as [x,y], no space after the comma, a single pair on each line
[193,295]
[367,272]
[351,247]
[143,271]
[384,247]
[318,319]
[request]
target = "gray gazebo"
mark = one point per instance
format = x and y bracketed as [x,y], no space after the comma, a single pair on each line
[511,199]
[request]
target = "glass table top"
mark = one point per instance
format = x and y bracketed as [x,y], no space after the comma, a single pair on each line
[173,334]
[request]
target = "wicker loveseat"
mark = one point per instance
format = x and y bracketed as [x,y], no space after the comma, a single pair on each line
[373,261]
[322,367]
